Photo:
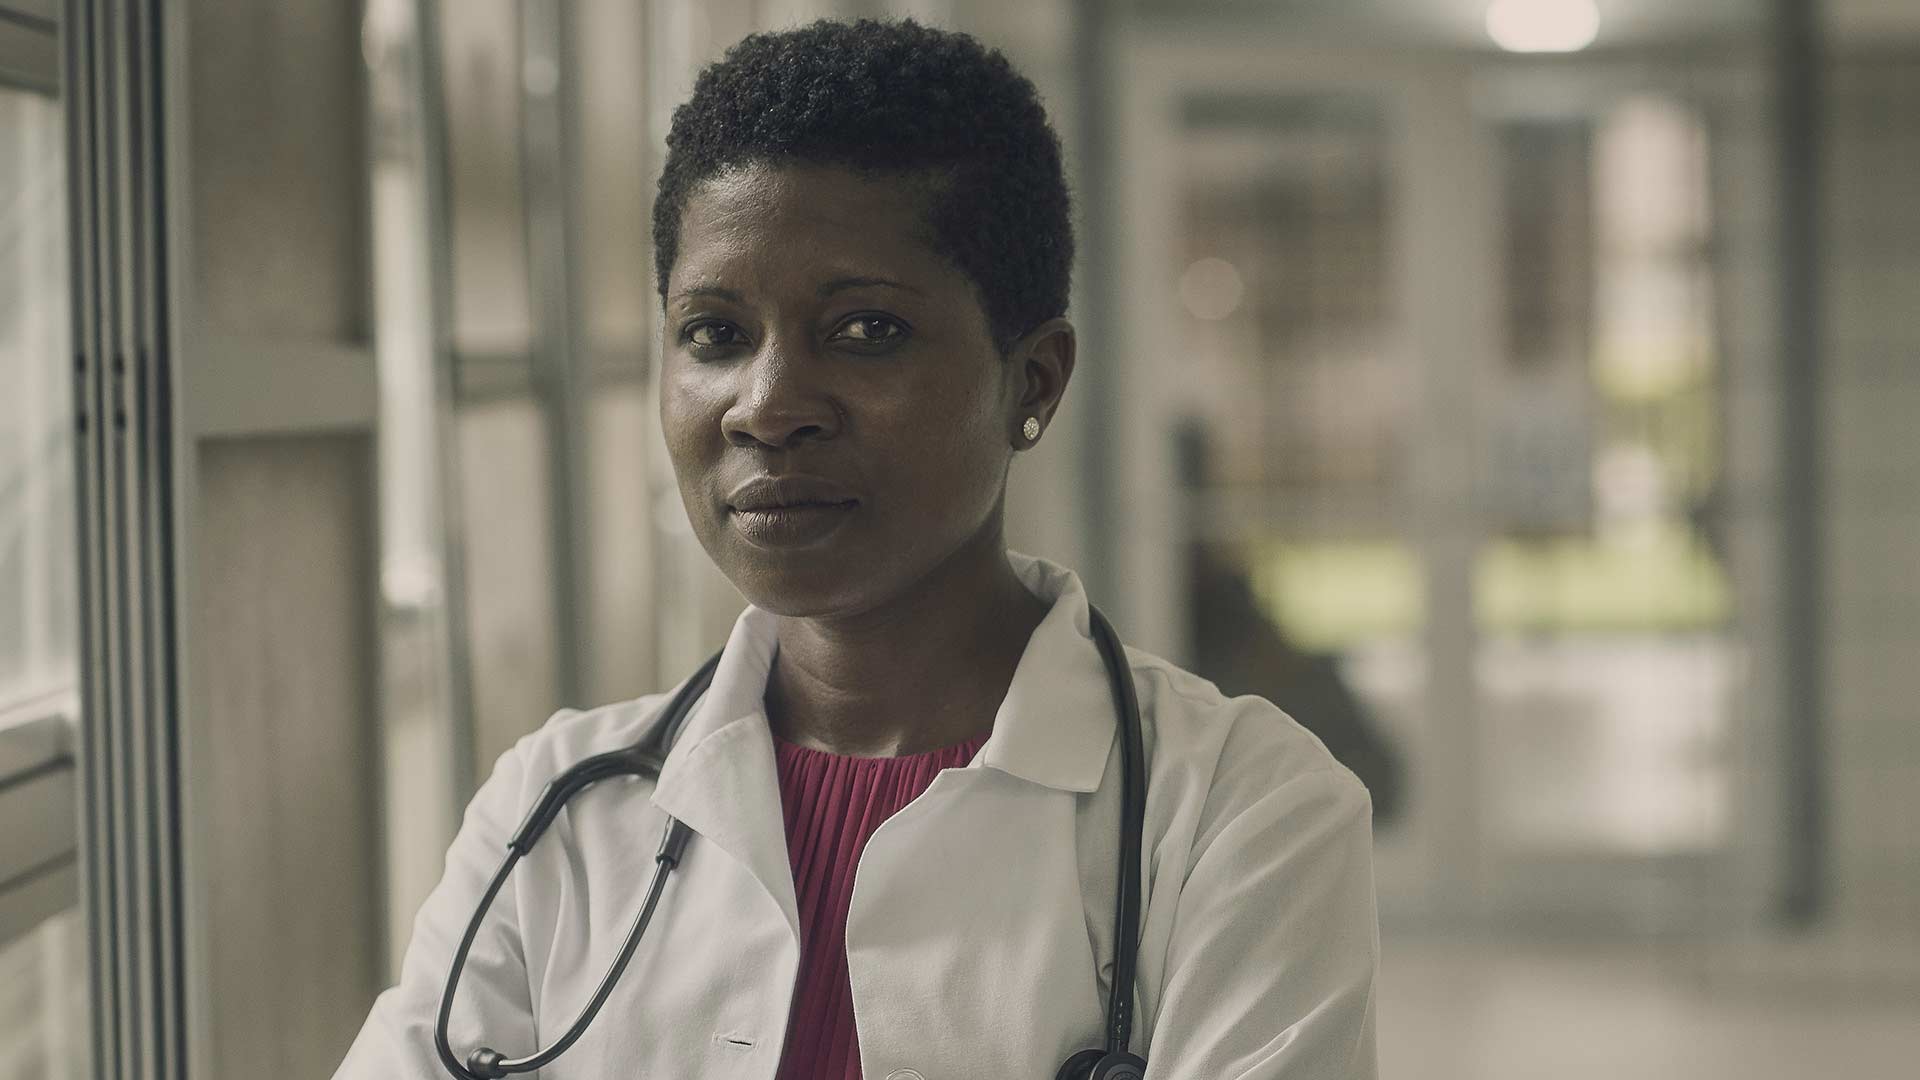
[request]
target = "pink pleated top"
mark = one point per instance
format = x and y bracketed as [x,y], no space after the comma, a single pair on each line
[833,804]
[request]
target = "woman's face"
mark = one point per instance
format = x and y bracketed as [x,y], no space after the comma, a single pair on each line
[838,417]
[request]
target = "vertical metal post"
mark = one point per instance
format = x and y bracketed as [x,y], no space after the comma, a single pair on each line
[428,719]
[549,85]
[1098,386]
[1445,219]
[430,114]
[132,868]
[1798,103]
[96,895]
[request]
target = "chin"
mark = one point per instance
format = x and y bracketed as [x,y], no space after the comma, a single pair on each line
[803,584]
[849,572]
[809,594]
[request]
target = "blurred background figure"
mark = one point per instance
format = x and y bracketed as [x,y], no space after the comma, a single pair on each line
[1554,363]
[1244,652]
[1238,645]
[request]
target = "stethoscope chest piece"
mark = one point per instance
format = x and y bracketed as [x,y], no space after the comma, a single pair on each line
[1100,1065]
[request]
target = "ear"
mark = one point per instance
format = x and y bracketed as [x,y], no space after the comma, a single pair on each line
[1043,362]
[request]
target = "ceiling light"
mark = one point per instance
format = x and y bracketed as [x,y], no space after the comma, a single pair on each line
[1533,26]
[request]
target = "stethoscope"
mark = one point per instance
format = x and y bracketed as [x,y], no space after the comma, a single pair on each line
[646,757]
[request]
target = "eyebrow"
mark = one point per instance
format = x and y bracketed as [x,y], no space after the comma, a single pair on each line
[841,284]
[844,283]
[717,291]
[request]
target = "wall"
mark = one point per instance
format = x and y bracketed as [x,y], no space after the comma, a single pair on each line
[276,459]
[288,727]
[1871,377]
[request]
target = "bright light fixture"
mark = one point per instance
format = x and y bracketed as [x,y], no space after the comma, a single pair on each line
[1533,26]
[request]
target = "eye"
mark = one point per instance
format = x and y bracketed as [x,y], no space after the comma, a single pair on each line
[711,334]
[871,330]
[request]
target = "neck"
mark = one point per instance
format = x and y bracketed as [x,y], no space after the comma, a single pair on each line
[926,671]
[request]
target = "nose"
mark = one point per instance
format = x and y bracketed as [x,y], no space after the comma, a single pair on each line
[782,403]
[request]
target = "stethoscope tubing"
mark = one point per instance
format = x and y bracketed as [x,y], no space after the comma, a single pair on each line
[487,1064]
[1133,815]
[484,1063]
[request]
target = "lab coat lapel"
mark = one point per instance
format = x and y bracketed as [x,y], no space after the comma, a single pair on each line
[970,913]
[1057,724]
[720,778]
[1055,728]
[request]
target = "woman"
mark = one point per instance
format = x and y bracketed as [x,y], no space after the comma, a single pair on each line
[863,249]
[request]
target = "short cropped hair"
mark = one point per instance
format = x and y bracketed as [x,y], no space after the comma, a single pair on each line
[893,99]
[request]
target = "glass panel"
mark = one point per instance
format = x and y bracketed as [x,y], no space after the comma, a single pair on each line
[1304,589]
[481,47]
[42,972]
[1606,669]
[615,180]
[621,611]
[44,9]
[43,1002]
[511,602]
[38,582]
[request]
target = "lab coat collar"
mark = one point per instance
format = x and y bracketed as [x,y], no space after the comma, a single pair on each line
[1057,724]
[720,778]
[1055,727]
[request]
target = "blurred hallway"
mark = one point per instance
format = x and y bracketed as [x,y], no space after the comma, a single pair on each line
[1512,1009]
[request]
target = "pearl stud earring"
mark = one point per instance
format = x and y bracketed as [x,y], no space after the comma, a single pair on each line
[1031,429]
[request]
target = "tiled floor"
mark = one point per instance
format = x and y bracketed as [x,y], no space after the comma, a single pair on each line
[1505,1011]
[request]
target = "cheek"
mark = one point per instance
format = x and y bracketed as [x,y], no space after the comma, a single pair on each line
[956,449]
[687,428]
[688,413]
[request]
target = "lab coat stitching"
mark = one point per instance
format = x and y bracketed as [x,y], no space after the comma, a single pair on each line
[1153,665]
[1219,701]
[1360,1036]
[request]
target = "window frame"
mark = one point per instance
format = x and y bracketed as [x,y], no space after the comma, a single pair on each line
[39,865]
[29,48]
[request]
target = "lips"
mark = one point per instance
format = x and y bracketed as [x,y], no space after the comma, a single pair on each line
[789,511]
[788,492]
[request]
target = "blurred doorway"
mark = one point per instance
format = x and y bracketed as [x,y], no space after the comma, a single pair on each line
[1439,360]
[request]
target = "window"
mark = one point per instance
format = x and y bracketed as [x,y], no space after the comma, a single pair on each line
[37,583]
[1305,586]
[42,973]
[1602,601]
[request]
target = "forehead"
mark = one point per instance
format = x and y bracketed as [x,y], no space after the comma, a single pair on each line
[764,225]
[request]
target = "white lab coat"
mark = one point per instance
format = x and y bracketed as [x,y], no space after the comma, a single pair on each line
[980,936]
